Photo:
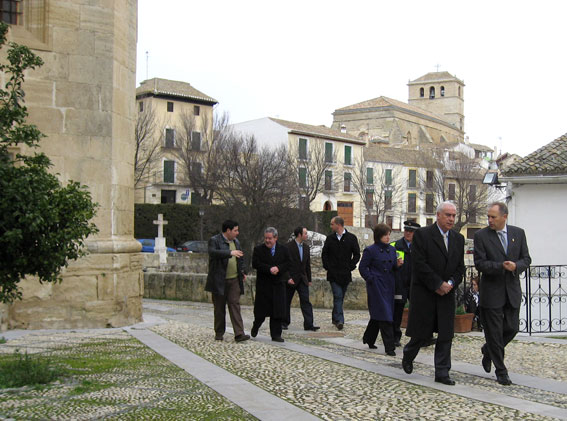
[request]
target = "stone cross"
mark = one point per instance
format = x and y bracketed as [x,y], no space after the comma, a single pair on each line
[160,247]
[160,223]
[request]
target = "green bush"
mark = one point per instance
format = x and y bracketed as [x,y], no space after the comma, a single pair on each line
[20,370]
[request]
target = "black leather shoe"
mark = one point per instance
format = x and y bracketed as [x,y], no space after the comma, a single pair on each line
[278,339]
[445,380]
[397,344]
[504,380]
[391,353]
[285,327]
[340,326]
[241,338]
[313,328]
[486,361]
[407,365]
[218,337]
[254,331]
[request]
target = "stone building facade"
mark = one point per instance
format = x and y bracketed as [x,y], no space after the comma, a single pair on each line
[183,120]
[82,99]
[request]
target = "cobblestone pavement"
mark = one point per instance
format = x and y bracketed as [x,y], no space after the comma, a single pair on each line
[329,374]
[334,391]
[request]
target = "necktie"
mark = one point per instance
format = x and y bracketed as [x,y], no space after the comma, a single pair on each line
[503,240]
[446,240]
[273,250]
[301,252]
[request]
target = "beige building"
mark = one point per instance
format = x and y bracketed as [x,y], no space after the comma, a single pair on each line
[82,100]
[340,152]
[434,114]
[183,120]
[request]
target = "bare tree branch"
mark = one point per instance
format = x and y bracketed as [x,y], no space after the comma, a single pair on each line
[148,148]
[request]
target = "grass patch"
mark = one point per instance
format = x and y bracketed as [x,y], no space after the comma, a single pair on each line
[88,386]
[3,340]
[26,370]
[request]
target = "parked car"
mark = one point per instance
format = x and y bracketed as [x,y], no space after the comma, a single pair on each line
[194,247]
[148,245]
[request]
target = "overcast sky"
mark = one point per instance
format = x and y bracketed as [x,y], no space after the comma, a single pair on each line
[301,60]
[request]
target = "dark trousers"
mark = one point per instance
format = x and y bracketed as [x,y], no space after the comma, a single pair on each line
[442,356]
[500,327]
[306,307]
[385,328]
[339,292]
[398,313]
[275,325]
[231,298]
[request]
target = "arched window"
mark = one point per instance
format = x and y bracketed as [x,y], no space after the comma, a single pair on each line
[327,206]
[421,92]
[431,92]
[442,91]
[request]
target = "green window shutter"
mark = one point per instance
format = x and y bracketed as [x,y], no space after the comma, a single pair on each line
[388,177]
[169,171]
[328,152]
[348,155]
[303,177]
[412,178]
[369,175]
[302,148]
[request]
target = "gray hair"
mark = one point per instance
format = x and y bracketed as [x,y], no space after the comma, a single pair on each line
[272,231]
[442,205]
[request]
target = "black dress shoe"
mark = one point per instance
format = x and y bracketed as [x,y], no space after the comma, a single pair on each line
[313,328]
[391,353]
[241,338]
[407,365]
[504,380]
[254,331]
[486,362]
[218,337]
[445,380]
[397,344]
[340,326]
[278,339]
[372,346]
[285,327]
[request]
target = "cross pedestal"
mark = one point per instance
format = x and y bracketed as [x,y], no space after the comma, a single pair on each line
[160,246]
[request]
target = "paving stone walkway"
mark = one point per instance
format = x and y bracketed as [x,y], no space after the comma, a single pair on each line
[331,375]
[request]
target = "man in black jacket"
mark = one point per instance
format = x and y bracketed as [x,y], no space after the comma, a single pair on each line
[271,261]
[340,255]
[403,277]
[299,278]
[500,255]
[438,269]
[225,280]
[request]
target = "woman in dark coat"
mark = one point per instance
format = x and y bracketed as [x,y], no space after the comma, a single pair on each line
[379,261]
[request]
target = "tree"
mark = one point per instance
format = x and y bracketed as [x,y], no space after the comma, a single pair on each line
[43,224]
[309,166]
[148,149]
[256,187]
[380,191]
[460,180]
[202,152]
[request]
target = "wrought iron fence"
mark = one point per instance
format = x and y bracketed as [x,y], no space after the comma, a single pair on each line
[544,298]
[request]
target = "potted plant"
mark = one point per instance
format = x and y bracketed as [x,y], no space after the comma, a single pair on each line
[463,320]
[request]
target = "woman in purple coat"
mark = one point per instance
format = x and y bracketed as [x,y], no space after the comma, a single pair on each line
[377,267]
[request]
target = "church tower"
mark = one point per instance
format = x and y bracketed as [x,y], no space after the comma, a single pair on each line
[440,93]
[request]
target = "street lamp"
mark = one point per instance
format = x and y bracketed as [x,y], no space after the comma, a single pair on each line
[201,214]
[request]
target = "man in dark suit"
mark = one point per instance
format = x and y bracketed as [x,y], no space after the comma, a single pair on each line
[500,255]
[340,255]
[271,261]
[299,278]
[403,276]
[438,269]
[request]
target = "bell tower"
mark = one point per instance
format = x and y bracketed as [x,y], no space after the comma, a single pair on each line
[440,93]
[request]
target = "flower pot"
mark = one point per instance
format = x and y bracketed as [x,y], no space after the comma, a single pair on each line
[463,322]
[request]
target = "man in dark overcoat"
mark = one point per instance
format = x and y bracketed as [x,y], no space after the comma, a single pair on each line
[438,269]
[403,277]
[500,255]
[271,261]
[340,255]
[225,280]
[299,278]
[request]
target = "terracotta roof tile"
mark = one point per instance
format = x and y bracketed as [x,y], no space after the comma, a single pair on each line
[157,86]
[323,131]
[550,159]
